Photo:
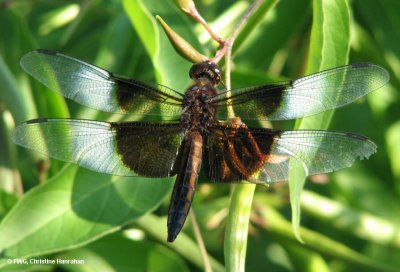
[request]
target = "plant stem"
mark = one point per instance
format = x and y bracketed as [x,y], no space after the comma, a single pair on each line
[200,242]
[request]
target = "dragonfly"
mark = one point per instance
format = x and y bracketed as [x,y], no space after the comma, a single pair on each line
[200,134]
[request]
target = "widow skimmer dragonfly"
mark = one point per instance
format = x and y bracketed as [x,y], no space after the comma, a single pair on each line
[226,151]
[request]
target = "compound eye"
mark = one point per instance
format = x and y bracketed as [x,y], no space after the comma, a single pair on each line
[206,69]
[217,73]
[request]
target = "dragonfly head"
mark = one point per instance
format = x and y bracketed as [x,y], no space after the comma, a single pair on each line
[206,69]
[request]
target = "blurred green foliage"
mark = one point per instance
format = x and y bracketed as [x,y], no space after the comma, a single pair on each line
[350,219]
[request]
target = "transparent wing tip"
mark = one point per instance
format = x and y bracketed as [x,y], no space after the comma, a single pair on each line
[365,150]
[382,74]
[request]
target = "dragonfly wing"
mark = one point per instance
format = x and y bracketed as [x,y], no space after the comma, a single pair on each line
[305,96]
[317,152]
[126,149]
[97,88]
[264,155]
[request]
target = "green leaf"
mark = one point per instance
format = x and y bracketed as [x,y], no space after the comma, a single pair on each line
[24,104]
[306,260]
[360,224]
[20,103]
[118,253]
[77,206]
[185,246]
[281,229]
[272,32]
[329,47]
[144,25]
[361,182]
[7,201]
[235,244]
[157,44]
[385,21]
[253,22]
[393,143]
[10,181]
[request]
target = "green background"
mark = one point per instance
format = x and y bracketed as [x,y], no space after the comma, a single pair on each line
[349,219]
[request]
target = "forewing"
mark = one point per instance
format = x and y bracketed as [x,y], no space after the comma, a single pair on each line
[304,96]
[268,154]
[97,88]
[126,149]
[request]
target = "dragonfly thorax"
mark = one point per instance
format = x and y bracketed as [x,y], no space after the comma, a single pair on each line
[197,114]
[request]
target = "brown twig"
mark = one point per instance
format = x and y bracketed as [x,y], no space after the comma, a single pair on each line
[196,15]
[225,45]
